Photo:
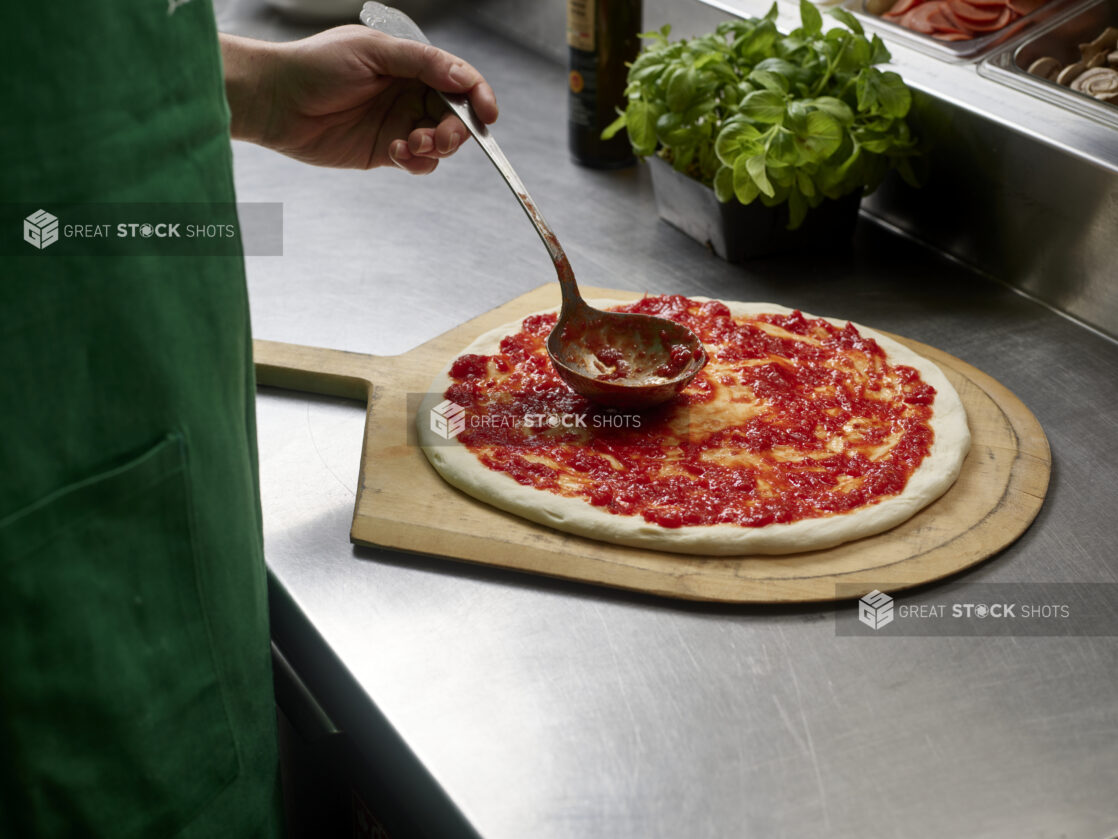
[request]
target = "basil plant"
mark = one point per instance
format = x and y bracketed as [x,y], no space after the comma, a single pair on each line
[759,115]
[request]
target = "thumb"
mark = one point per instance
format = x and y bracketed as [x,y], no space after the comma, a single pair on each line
[404,59]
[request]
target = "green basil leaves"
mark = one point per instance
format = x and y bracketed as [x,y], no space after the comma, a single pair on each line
[760,115]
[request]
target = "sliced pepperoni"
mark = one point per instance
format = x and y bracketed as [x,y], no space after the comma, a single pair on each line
[941,24]
[900,7]
[956,22]
[918,19]
[1004,19]
[969,13]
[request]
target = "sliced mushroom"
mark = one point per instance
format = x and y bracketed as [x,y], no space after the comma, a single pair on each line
[1069,73]
[1046,67]
[1108,38]
[1099,60]
[1106,41]
[1112,59]
[1099,82]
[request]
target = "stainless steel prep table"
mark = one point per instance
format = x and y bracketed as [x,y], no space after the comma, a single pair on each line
[515,706]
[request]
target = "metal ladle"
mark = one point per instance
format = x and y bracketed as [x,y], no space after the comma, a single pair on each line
[621,360]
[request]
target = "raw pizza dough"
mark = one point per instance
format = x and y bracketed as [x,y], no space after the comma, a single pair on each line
[934,476]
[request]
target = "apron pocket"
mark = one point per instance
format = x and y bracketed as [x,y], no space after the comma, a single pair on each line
[112,715]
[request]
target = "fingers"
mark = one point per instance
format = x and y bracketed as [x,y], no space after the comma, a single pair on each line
[399,122]
[484,101]
[425,147]
[405,134]
[400,155]
[439,142]
[435,67]
[447,135]
[421,142]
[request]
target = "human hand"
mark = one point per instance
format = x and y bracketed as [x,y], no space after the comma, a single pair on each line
[351,97]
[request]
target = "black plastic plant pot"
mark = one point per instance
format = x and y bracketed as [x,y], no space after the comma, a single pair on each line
[736,231]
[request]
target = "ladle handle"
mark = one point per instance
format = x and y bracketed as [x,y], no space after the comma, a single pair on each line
[394,22]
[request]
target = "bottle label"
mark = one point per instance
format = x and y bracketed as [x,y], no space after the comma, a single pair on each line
[583,82]
[580,24]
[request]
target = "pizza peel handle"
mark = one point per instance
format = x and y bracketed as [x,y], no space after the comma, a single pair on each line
[314,370]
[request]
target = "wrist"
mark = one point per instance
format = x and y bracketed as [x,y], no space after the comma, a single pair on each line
[249,89]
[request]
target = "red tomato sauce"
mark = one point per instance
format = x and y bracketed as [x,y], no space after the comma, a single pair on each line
[792,418]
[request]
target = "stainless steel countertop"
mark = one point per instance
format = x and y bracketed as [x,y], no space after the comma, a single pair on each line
[538,708]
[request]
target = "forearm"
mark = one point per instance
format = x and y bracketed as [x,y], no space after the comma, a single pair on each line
[249,85]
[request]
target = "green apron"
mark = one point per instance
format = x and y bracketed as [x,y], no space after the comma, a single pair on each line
[135,683]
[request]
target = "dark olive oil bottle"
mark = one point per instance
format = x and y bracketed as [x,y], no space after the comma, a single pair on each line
[603,36]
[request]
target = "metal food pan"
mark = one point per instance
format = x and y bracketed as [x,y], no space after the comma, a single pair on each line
[973,50]
[1060,40]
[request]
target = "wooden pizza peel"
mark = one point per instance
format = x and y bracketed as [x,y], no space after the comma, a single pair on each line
[403,504]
